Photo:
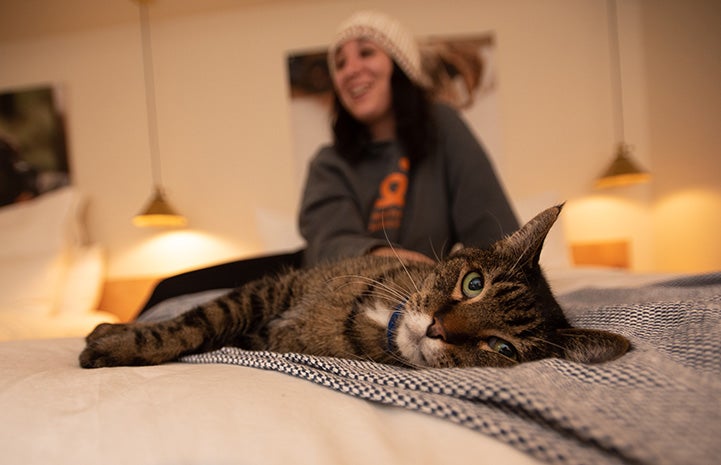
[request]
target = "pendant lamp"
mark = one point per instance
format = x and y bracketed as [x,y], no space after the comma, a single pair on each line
[622,170]
[157,212]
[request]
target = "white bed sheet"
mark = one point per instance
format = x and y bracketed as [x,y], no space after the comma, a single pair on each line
[55,412]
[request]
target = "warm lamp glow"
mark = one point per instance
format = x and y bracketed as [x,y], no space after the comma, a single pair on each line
[159,213]
[174,251]
[622,171]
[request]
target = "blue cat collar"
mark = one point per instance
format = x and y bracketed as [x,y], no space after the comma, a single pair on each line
[391,330]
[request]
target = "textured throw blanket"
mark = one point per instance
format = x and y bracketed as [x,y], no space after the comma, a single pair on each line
[659,404]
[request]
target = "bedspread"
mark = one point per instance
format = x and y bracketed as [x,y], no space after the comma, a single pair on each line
[658,404]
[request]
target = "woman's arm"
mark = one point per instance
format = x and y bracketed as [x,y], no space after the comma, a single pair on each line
[404,255]
[331,220]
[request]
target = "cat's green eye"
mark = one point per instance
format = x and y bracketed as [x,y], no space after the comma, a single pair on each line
[472,284]
[504,348]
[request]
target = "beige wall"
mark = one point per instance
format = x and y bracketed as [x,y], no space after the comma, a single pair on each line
[225,135]
[685,129]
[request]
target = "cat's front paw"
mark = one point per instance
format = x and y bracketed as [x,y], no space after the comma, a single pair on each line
[107,345]
[101,330]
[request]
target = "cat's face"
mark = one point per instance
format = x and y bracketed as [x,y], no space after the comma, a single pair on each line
[476,310]
[494,308]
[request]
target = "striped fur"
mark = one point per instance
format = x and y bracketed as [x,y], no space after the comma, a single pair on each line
[487,307]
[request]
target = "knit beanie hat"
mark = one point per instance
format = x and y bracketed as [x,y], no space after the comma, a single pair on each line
[388,34]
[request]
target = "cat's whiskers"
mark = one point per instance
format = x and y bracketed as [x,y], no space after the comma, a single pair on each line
[393,249]
[393,294]
[386,295]
[394,355]
[408,363]
[433,248]
[546,341]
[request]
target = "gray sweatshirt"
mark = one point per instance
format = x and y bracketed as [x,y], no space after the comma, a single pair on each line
[452,196]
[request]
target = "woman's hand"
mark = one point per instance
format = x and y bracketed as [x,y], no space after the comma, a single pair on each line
[402,254]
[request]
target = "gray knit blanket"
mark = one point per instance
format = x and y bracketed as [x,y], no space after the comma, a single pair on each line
[659,404]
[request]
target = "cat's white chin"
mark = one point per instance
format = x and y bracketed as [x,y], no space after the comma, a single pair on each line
[412,342]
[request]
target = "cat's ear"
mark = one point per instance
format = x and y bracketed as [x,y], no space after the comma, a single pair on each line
[591,345]
[527,242]
[457,247]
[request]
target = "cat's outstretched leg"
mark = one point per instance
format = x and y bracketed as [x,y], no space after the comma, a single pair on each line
[130,344]
[138,344]
[210,326]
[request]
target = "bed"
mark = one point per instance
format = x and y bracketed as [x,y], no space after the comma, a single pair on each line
[659,404]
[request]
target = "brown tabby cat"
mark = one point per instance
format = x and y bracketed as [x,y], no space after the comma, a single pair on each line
[488,307]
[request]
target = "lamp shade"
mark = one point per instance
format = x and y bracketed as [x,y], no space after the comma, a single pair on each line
[622,171]
[159,213]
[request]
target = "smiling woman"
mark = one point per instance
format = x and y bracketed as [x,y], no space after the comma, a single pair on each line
[402,169]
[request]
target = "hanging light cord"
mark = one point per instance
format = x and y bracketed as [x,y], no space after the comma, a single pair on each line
[150,94]
[623,170]
[615,48]
[158,212]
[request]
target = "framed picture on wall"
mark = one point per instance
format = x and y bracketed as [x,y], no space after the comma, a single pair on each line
[33,148]
[463,71]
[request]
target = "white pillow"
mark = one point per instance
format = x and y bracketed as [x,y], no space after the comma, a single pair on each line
[35,241]
[46,223]
[30,283]
[83,283]
[555,253]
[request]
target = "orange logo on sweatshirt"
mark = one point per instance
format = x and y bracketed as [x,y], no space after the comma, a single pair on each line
[388,208]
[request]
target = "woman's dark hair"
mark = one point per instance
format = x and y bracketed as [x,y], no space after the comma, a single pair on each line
[414,125]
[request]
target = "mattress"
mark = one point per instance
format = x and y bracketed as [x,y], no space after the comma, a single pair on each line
[659,404]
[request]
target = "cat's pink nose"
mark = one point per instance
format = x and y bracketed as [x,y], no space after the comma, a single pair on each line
[435,330]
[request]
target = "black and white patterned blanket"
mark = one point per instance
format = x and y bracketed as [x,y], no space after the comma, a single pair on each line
[659,404]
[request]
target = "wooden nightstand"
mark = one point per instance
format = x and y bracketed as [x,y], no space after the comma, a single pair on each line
[614,254]
[124,297]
